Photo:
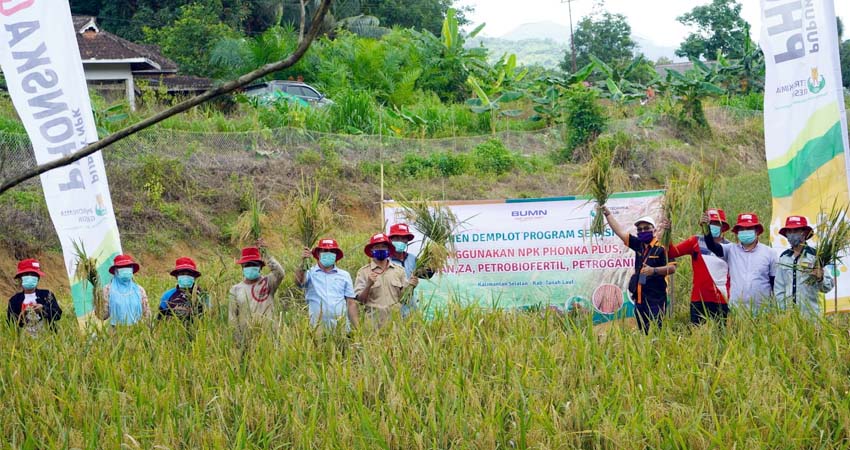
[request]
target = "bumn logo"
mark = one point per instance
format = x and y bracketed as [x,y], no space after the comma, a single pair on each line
[529,213]
[816,84]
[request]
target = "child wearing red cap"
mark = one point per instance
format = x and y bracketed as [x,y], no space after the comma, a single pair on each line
[32,308]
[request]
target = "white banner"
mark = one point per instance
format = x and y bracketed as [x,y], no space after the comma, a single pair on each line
[536,253]
[44,74]
[805,123]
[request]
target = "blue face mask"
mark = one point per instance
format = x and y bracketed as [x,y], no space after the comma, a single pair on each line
[715,230]
[400,247]
[185,281]
[124,274]
[747,237]
[380,255]
[327,259]
[29,282]
[251,273]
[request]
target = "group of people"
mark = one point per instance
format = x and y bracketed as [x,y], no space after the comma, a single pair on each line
[383,287]
[746,274]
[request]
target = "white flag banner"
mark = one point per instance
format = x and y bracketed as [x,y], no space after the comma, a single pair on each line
[805,125]
[45,78]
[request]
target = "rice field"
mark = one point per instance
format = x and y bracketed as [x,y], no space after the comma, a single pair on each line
[467,379]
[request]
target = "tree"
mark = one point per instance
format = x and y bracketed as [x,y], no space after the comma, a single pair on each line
[188,40]
[719,28]
[419,14]
[663,61]
[606,36]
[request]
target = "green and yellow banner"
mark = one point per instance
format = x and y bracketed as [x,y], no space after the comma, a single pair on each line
[805,121]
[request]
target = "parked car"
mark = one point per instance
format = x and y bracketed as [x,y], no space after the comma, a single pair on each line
[271,91]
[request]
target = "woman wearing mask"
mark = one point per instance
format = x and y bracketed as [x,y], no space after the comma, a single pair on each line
[648,285]
[126,301]
[185,301]
[799,280]
[32,308]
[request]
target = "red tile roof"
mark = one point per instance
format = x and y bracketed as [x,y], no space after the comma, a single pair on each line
[96,44]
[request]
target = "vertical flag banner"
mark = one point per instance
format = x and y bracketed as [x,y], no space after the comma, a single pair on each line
[536,253]
[44,74]
[805,122]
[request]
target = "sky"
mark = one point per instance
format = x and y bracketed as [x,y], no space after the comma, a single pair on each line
[651,19]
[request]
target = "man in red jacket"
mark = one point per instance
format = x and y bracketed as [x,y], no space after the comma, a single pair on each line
[709,297]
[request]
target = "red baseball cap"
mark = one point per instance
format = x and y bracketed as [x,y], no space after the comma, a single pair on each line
[717,215]
[251,254]
[328,245]
[29,266]
[379,238]
[400,230]
[185,264]
[796,223]
[747,220]
[123,261]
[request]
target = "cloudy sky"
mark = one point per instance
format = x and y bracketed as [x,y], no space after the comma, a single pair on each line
[651,19]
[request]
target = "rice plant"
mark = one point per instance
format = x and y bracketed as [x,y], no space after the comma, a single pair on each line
[313,214]
[833,234]
[702,184]
[674,202]
[438,224]
[87,273]
[600,177]
[252,223]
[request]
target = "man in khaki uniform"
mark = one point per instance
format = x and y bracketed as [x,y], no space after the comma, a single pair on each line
[379,284]
[251,301]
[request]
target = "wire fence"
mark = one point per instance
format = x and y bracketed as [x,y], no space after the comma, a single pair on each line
[240,151]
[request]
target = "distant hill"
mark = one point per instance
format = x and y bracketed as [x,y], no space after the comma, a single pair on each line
[544,44]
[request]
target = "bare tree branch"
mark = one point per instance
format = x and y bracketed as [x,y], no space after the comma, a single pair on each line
[225,88]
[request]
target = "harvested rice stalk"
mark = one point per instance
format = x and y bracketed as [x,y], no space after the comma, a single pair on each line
[833,233]
[600,178]
[674,200]
[87,273]
[313,215]
[251,223]
[437,223]
[703,184]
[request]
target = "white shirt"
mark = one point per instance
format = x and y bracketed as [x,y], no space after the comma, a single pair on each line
[749,274]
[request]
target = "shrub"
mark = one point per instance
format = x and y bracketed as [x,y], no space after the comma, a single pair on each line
[354,112]
[585,118]
[493,157]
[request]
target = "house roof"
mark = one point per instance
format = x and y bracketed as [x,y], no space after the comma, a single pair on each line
[681,67]
[98,46]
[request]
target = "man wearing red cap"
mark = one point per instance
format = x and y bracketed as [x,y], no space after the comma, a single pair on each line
[799,280]
[185,301]
[400,237]
[328,289]
[711,273]
[379,284]
[752,265]
[251,301]
[32,308]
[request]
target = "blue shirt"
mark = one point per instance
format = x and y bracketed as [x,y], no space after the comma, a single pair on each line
[409,265]
[326,294]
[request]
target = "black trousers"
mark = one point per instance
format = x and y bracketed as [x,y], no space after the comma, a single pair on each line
[648,312]
[702,311]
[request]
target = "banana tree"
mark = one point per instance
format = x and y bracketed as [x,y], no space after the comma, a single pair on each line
[492,104]
[549,106]
[690,89]
[618,84]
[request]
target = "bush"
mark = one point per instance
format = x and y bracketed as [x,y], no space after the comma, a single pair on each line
[354,112]
[585,118]
[493,157]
